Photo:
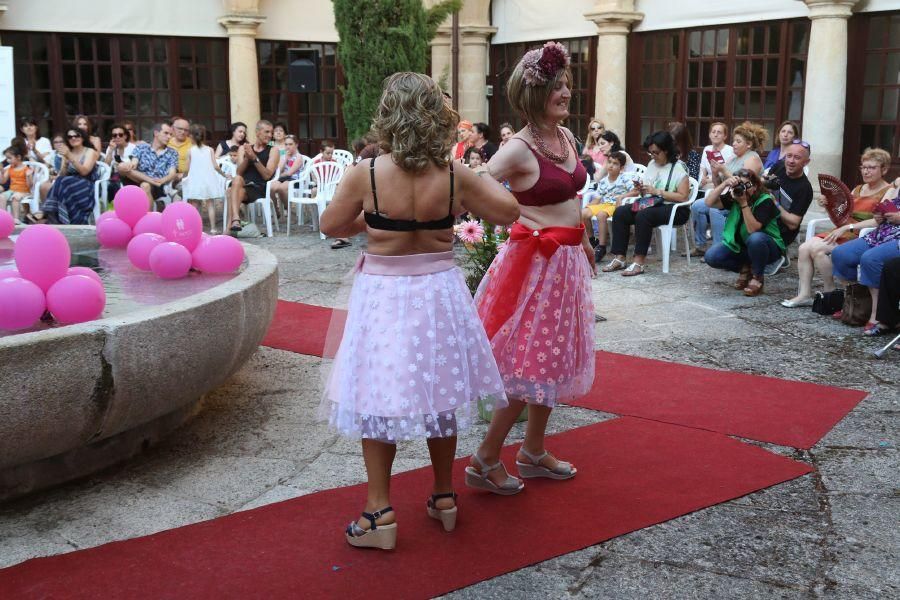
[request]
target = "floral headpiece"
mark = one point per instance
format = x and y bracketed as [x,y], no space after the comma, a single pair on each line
[540,66]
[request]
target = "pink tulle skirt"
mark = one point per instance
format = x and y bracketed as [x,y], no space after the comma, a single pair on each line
[545,346]
[414,359]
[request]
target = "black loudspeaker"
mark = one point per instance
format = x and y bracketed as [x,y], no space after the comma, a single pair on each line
[303,70]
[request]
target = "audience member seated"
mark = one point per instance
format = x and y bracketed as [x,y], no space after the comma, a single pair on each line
[793,191]
[119,150]
[39,148]
[664,183]
[70,200]
[609,143]
[237,137]
[203,181]
[603,201]
[592,150]
[181,143]
[815,254]
[748,138]
[751,238]
[54,160]
[291,167]
[479,137]
[279,131]
[506,132]
[256,165]
[887,311]
[473,158]
[686,152]
[463,130]
[17,177]
[152,165]
[357,146]
[871,251]
[704,217]
[85,124]
[787,133]
[326,152]
[128,124]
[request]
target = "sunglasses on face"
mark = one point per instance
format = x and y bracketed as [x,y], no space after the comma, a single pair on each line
[596,128]
[118,134]
[73,136]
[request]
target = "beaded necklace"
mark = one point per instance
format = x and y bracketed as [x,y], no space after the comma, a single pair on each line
[544,149]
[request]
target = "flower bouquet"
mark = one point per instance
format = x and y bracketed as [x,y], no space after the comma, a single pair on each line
[482,241]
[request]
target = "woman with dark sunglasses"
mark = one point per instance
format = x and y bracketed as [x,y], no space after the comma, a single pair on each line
[71,199]
[119,150]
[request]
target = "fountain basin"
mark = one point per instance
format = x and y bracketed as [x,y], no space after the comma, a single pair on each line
[79,398]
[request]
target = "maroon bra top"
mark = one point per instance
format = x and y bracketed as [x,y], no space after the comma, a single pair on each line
[554,184]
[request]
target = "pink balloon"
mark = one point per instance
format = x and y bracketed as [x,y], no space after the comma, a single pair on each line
[182,223]
[131,204]
[76,299]
[113,233]
[86,272]
[170,260]
[110,214]
[4,273]
[21,303]
[139,249]
[149,223]
[218,254]
[42,255]
[7,224]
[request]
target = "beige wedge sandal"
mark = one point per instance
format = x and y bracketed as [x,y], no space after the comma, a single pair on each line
[447,516]
[562,470]
[383,537]
[479,479]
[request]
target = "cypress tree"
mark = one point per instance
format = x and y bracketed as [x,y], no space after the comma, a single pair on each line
[379,38]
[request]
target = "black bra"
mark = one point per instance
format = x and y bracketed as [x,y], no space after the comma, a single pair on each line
[376,220]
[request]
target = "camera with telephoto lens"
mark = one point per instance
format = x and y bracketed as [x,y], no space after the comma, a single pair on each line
[739,189]
[772,182]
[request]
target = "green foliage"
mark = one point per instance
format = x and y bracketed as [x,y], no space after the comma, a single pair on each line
[377,39]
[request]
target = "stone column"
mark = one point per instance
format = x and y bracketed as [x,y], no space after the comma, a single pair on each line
[241,23]
[824,100]
[475,32]
[614,19]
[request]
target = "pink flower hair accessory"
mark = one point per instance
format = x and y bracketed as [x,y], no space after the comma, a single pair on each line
[542,65]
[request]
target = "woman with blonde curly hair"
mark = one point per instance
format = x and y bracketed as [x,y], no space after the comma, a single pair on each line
[592,145]
[535,300]
[748,139]
[414,360]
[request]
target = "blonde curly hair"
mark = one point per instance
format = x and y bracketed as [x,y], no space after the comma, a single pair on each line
[414,123]
[754,133]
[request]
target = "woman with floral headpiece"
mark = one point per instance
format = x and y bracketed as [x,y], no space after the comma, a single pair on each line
[535,301]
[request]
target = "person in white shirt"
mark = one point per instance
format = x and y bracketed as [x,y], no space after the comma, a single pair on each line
[706,217]
[38,147]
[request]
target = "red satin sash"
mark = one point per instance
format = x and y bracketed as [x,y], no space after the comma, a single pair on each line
[517,263]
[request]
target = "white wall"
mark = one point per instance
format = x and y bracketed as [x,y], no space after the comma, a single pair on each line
[306,20]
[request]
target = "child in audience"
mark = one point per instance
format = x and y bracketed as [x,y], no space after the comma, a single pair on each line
[327,152]
[17,177]
[602,202]
[474,158]
[234,155]
[203,176]
[290,167]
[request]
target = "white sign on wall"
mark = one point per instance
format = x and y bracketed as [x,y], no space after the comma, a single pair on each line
[7,97]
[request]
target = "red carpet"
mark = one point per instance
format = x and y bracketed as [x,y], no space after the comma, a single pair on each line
[634,473]
[789,413]
[298,327]
[778,411]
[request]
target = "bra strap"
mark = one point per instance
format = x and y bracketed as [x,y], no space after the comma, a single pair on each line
[451,188]
[372,177]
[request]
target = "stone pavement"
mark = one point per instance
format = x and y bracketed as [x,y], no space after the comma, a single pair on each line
[833,533]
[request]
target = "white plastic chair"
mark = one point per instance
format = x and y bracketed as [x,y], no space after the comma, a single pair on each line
[326,176]
[228,168]
[666,238]
[101,188]
[40,174]
[343,157]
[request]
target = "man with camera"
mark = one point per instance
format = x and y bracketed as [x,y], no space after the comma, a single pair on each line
[793,194]
[751,238]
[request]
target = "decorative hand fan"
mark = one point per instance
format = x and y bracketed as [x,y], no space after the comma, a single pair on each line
[838,200]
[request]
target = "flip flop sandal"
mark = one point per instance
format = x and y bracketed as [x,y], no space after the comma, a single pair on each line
[237,227]
[633,270]
[338,244]
[614,265]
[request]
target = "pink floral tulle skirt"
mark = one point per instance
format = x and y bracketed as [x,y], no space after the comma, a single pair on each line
[414,359]
[544,340]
